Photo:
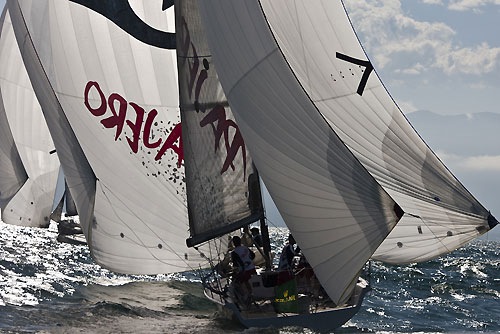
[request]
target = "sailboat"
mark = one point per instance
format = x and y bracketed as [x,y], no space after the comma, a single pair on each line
[339,158]
[28,162]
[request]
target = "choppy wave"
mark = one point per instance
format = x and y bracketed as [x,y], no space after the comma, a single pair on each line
[46,286]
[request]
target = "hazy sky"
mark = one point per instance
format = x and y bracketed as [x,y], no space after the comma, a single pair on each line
[437,55]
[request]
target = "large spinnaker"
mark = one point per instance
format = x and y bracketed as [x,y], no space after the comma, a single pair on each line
[320,46]
[12,172]
[118,99]
[335,209]
[223,190]
[31,205]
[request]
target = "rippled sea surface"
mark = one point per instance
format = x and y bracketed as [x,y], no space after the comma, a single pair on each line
[50,287]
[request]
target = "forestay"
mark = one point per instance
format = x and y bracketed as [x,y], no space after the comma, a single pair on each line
[334,208]
[30,166]
[222,185]
[321,48]
[116,98]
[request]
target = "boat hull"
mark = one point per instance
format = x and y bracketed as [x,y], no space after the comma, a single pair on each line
[318,321]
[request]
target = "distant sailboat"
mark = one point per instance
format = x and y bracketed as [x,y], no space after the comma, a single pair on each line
[28,161]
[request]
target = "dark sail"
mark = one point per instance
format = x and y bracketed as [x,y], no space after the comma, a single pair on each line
[222,188]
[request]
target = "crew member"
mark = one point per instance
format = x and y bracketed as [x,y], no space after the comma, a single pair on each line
[242,259]
[286,260]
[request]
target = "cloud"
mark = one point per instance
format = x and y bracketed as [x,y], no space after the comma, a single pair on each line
[433,2]
[481,59]
[471,163]
[465,5]
[397,40]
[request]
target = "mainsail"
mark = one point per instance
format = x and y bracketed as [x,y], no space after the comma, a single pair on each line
[112,101]
[29,165]
[322,50]
[223,190]
[335,209]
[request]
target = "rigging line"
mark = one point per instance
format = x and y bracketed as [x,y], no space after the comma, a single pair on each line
[133,213]
[270,221]
[438,238]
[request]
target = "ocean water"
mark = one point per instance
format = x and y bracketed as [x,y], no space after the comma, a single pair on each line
[48,287]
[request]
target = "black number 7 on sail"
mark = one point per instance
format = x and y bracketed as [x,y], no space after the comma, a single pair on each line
[365,63]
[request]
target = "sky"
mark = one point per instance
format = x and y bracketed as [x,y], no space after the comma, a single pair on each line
[441,56]
[436,55]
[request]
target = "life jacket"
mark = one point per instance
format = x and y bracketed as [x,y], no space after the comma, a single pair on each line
[244,254]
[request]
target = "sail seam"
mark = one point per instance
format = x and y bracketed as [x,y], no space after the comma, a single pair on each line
[250,70]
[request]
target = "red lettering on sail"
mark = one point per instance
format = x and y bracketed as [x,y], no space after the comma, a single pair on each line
[136,123]
[173,137]
[217,115]
[135,127]
[147,130]
[102,108]
[116,119]
[223,127]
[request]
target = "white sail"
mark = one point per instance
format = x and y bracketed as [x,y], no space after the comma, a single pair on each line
[31,205]
[117,99]
[334,208]
[321,48]
[222,185]
[12,173]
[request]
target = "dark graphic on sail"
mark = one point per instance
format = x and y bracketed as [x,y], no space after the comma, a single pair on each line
[122,14]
